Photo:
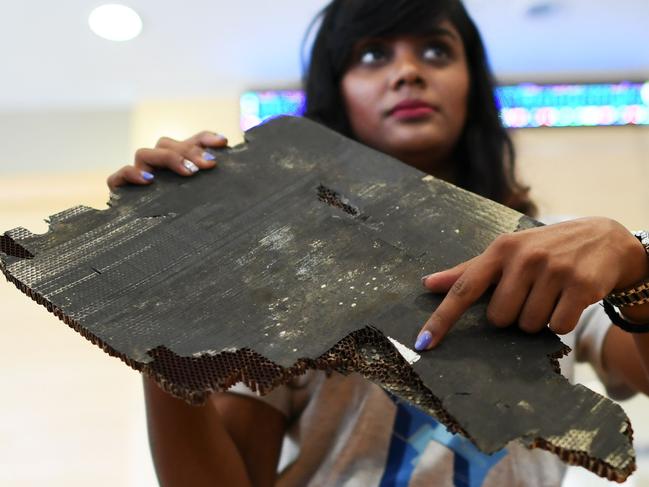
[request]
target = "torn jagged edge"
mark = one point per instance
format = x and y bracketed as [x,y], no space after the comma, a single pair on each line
[577,457]
[218,372]
[571,457]
[331,361]
[75,325]
[555,356]
[334,360]
[9,247]
[582,459]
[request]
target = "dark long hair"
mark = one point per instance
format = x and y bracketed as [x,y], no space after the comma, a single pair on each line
[485,153]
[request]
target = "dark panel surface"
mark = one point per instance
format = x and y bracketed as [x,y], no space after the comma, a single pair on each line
[302,250]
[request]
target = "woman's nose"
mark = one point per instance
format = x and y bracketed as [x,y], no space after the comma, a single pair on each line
[407,72]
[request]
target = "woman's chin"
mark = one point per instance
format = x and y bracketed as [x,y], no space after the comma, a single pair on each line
[424,145]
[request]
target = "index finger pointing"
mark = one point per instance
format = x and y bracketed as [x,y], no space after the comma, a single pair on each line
[466,290]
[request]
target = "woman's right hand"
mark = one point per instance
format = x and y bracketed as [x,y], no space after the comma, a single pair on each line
[184,157]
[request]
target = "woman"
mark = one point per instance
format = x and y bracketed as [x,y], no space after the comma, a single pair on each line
[409,78]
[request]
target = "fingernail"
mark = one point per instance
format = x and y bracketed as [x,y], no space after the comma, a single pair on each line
[147,175]
[423,340]
[190,166]
[423,279]
[207,156]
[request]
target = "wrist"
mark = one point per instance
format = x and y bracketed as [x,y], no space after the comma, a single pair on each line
[638,261]
[633,302]
[633,290]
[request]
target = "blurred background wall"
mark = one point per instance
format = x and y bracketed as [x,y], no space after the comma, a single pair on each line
[74,107]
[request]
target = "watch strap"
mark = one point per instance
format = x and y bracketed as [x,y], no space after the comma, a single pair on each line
[630,297]
[638,294]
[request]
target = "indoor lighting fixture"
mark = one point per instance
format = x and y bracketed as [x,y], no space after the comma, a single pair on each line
[115,22]
[541,8]
[573,105]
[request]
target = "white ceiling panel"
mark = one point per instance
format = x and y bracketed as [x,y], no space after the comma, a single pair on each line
[49,56]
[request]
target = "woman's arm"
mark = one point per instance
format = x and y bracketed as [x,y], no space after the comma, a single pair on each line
[230,440]
[625,357]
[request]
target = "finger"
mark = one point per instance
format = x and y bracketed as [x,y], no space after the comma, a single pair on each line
[441,282]
[567,312]
[164,159]
[205,159]
[199,156]
[189,150]
[129,174]
[167,143]
[210,139]
[193,148]
[539,305]
[465,291]
[509,298]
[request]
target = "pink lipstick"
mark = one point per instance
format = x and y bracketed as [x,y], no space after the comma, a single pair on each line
[411,109]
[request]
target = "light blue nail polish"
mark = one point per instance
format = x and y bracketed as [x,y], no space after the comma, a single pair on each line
[423,340]
[147,175]
[207,156]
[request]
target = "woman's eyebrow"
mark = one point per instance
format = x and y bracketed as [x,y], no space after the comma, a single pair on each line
[443,32]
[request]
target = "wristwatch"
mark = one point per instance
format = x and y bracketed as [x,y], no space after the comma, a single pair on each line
[638,294]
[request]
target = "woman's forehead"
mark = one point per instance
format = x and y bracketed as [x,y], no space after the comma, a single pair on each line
[442,29]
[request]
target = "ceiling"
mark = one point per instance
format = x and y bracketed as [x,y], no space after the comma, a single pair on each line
[50,58]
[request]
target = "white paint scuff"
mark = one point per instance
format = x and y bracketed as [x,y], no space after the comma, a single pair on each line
[409,355]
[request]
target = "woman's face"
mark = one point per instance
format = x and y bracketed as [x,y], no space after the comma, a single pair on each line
[407,96]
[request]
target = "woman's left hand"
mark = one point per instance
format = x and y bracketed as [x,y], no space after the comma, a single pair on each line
[543,276]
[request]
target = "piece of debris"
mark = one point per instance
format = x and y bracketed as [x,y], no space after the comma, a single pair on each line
[189,298]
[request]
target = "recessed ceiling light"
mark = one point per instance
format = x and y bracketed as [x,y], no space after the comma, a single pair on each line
[115,22]
[541,8]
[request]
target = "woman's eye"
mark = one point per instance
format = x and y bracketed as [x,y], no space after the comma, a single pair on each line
[434,52]
[372,55]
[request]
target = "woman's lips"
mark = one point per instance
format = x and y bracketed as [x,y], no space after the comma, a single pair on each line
[411,109]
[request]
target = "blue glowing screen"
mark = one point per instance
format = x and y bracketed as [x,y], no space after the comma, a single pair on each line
[521,106]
